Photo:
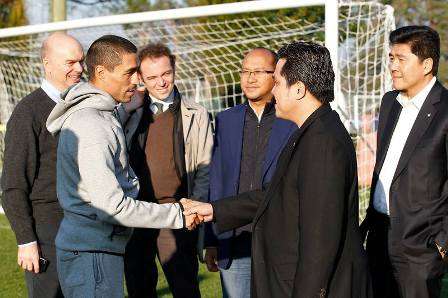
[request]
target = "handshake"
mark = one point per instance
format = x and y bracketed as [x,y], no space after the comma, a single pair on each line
[196,213]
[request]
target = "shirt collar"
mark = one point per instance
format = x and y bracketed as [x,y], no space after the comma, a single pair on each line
[268,108]
[418,100]
[51,91]
[167,101]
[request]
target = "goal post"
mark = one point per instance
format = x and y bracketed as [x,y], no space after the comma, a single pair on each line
[210,47]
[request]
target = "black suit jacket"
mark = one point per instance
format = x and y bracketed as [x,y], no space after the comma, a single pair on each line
[419,189]
[306,240]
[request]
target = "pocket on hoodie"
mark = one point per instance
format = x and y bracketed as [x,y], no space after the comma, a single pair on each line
[71,268]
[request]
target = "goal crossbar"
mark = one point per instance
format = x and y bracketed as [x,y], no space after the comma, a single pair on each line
[163,15]
[210,49]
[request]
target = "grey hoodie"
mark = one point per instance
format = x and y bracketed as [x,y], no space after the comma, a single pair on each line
[95,185]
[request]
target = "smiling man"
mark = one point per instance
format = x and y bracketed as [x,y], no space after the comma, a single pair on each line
[29,169]
[170,152]
[407,217]
[96,186]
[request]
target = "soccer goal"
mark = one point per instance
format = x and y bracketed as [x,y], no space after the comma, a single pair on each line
[209,42]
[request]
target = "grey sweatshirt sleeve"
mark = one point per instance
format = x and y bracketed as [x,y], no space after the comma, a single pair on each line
[97,175]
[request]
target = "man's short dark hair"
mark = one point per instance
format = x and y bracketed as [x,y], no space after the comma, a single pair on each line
[156,50]
[423,40]
[108,51]
[309,63]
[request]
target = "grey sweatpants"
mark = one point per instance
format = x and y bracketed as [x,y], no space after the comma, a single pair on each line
[90,274]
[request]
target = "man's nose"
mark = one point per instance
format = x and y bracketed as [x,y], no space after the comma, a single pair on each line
[134,79]
[78,66]
[160,81]
[251,77]
[393,64]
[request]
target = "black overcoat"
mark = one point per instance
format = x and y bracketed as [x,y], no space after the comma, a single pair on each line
[306,240]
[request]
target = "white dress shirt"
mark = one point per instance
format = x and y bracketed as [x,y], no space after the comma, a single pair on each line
[51,91]
[410,109]
[165,103]
[55,95]
[255,112]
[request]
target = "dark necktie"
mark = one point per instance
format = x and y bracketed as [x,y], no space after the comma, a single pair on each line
[159,108]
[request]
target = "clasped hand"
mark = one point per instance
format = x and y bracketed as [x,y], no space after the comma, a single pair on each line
[196,213]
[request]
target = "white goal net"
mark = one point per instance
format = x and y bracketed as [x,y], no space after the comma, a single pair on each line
[209,51]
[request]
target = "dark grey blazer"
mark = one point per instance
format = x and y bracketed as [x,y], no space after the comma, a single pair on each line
[419,189]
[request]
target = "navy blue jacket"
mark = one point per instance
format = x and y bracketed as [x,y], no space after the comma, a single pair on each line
[225,166]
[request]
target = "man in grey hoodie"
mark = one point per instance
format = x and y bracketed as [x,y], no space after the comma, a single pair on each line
[95,185]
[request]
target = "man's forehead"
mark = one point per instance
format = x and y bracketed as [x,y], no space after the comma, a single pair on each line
[400,48]
[155,64]
[156,60]
[69,52]
[259,56]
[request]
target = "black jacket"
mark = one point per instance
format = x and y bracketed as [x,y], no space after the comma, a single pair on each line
[305,237]
[419,189]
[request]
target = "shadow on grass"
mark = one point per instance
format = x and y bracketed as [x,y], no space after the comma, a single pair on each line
[165,290]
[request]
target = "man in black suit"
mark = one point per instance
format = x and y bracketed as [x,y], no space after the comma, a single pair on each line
[305,236]
[29,169]
[407,219]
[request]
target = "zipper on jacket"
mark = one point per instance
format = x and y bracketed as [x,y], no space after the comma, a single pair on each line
[257,141]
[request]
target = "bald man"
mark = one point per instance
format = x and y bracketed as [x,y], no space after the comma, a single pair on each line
[29,169]
[248,141]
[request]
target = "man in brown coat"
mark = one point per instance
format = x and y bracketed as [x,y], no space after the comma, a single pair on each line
[170,152]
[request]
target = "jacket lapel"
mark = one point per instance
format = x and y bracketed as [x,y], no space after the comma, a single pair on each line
[391,121]
[236,145]
[285,157]
[277,140]
[132,125]
[187,120]
[187,113]
[421,124]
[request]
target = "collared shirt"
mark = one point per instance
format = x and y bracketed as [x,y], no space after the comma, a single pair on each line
[165,103]
[51,91]
[258,115]
[410,109]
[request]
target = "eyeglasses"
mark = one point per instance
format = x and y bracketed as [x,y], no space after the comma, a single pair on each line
[258,74]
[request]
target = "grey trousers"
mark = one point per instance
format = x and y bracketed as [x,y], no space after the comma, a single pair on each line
[90,274]
[46,284]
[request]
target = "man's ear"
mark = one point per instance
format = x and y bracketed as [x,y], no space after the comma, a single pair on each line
[100,72]
[300,89]
[45,61]
[428,64]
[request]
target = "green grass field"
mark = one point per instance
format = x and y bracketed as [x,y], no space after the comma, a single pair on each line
[12,283]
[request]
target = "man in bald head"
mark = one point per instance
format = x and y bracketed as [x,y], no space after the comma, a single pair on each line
[29,169]
[248,141]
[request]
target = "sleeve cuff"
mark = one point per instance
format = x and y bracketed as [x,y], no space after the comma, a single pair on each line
[182,212]
[27,244]
[440,239]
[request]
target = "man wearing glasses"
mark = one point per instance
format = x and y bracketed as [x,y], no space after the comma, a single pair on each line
[248,141]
